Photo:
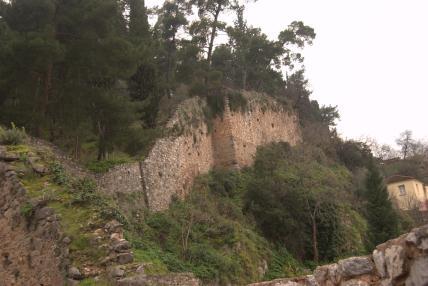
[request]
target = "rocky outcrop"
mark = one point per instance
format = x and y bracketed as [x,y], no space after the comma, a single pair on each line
[401,261]
[228,141]
[31,245]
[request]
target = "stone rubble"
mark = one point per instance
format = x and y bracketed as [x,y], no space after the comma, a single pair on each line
[119,248]
[74,273]
[399,262]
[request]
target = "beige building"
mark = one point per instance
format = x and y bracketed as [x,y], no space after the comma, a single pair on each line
[407,193]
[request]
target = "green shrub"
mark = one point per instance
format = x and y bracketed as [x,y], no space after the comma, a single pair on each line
[215,103]
[223,183]
[237,101]
[85,185]
[109,212]
[27,210]
[13,136]
[198,88]
[83,192]
[59,175]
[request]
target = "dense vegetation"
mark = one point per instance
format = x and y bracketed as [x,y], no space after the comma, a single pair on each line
[93,77]
[295,208]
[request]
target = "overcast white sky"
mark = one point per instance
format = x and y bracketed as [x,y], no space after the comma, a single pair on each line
[370,58]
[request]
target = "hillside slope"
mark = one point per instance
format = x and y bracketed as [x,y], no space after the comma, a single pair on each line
[196,144]
[59,229]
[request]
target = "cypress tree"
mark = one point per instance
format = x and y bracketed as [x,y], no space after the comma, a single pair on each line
[382,218]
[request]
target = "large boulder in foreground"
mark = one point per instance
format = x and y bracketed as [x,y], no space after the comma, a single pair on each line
[400,261]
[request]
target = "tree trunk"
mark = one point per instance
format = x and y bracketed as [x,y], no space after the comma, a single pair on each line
[186,229]
[77,148]
[170,74]
[314,238]
[101,149]
[213,33]
[44,100]
[102,144]
[35,111]
[244,79]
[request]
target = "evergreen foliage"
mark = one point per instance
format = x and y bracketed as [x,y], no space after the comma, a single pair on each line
[78,72]
[382,218]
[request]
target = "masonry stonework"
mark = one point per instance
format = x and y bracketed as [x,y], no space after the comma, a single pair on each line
[260,126]
[173,164]
[125,178]
[231,142]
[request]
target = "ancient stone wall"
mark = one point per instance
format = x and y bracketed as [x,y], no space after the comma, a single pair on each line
[194,149]
[124,178]
[260,125]
[173,164]
[30,251]
[222,140]
[401,261]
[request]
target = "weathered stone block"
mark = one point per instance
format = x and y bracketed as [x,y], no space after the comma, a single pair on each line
[125,258]
[74,273]
[355,266]
[379,260]
[395,261]
[116,272]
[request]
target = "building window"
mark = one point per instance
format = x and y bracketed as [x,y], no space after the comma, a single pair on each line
[402,190]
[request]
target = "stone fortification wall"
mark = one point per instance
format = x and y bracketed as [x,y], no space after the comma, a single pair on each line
[173,164]
[126,178]
[222,140]
[194,149]
[401,261]
[264,122]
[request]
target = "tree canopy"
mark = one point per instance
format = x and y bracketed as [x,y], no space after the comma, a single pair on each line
[66,65]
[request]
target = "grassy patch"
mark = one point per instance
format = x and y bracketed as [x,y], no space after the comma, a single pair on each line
[105,165]
[153,264]
[283,264]
[19,149]
[77,223]
[93,282]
